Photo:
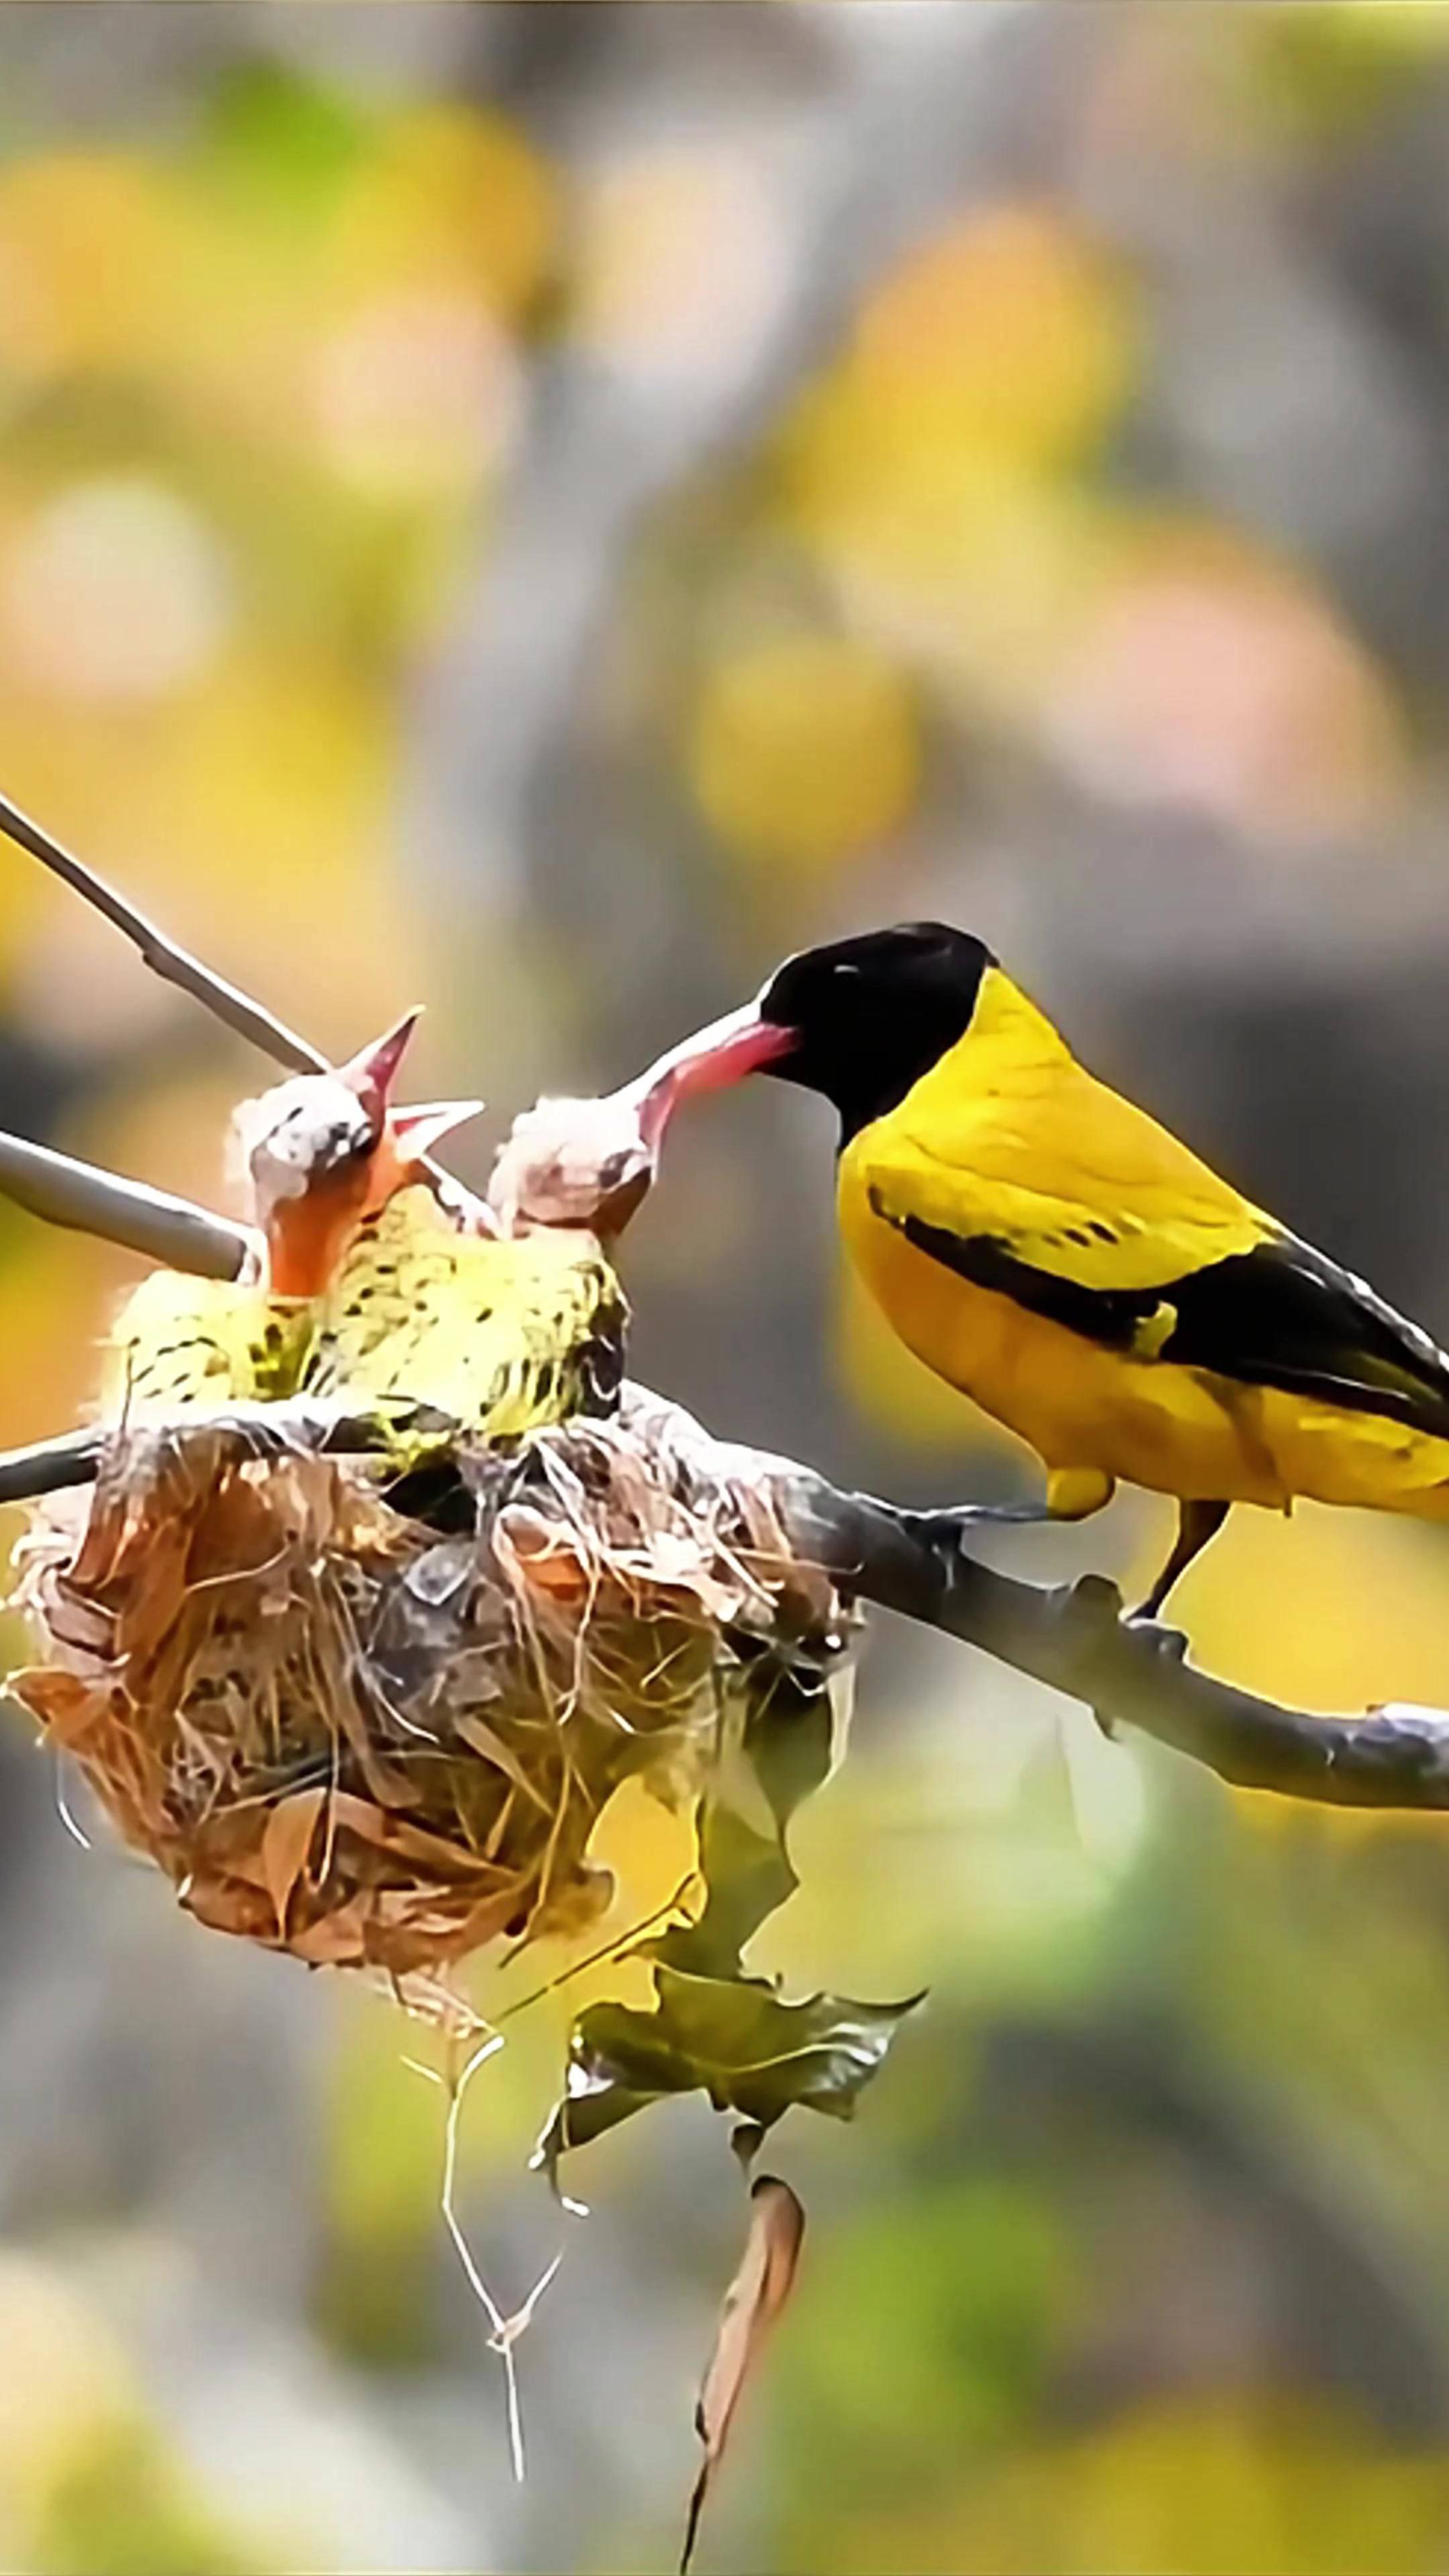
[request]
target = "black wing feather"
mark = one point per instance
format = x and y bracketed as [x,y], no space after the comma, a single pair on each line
[1109,1315]
[1281,1315]
[1284,1315]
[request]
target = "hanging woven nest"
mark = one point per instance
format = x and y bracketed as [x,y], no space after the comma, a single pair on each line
[359,1659]
[345,1734]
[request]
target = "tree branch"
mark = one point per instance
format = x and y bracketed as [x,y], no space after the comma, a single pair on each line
[1071,1636]
[266,1430]
[235,1009]
[175,965]
[1074,1638]
[48,1466]
[171,1230]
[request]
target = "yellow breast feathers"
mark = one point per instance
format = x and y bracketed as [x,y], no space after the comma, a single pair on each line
[503,1335]
[181,1343]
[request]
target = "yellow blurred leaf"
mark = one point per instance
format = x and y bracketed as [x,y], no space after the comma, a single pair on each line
[1009,336]
[1010,332]
[924,467]
[1410,27]
[454,197]
[803,750]
[92,270]
[1198,2488]
[257,833]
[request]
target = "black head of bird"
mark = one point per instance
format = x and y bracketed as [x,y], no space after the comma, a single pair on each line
[862,1019]
[858,1020]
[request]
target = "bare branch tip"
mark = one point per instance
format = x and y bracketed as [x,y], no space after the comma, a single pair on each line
[174,964]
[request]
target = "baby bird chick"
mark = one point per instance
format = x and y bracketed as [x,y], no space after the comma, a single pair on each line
[324,1150]
[590,1163]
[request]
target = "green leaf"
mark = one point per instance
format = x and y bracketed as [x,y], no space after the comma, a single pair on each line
[730,2037]
[786,1748]
[280,143]
[715,2029]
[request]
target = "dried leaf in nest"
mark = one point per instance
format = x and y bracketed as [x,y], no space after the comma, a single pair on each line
[347,1737]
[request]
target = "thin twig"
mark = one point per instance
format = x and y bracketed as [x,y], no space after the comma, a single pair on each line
[170,1230]
[258,1430]
[1072,1636]
[174,964]
[505,2331]
[75,1831]
[48,1466]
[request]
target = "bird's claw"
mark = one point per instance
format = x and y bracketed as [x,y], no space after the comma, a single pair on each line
[1095,1594]
[1172,1642]
[1096,1597]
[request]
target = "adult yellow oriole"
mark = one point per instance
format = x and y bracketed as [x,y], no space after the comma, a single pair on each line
[1046,1247]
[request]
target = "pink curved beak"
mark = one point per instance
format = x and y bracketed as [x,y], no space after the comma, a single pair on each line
[715,1057]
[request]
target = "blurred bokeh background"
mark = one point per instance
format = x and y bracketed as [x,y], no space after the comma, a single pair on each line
[546,507]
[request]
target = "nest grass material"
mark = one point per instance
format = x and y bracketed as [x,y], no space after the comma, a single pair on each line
[371,1737]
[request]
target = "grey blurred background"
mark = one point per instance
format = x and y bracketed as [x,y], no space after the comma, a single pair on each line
[548,507]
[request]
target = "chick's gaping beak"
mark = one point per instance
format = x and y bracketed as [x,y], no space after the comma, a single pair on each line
[372,1072]
[714,1058]
[408,1137]
[416,1131]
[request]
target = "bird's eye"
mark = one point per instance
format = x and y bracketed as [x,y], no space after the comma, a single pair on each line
[341,1145]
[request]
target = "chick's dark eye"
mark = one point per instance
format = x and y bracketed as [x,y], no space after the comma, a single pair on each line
[344,1145]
